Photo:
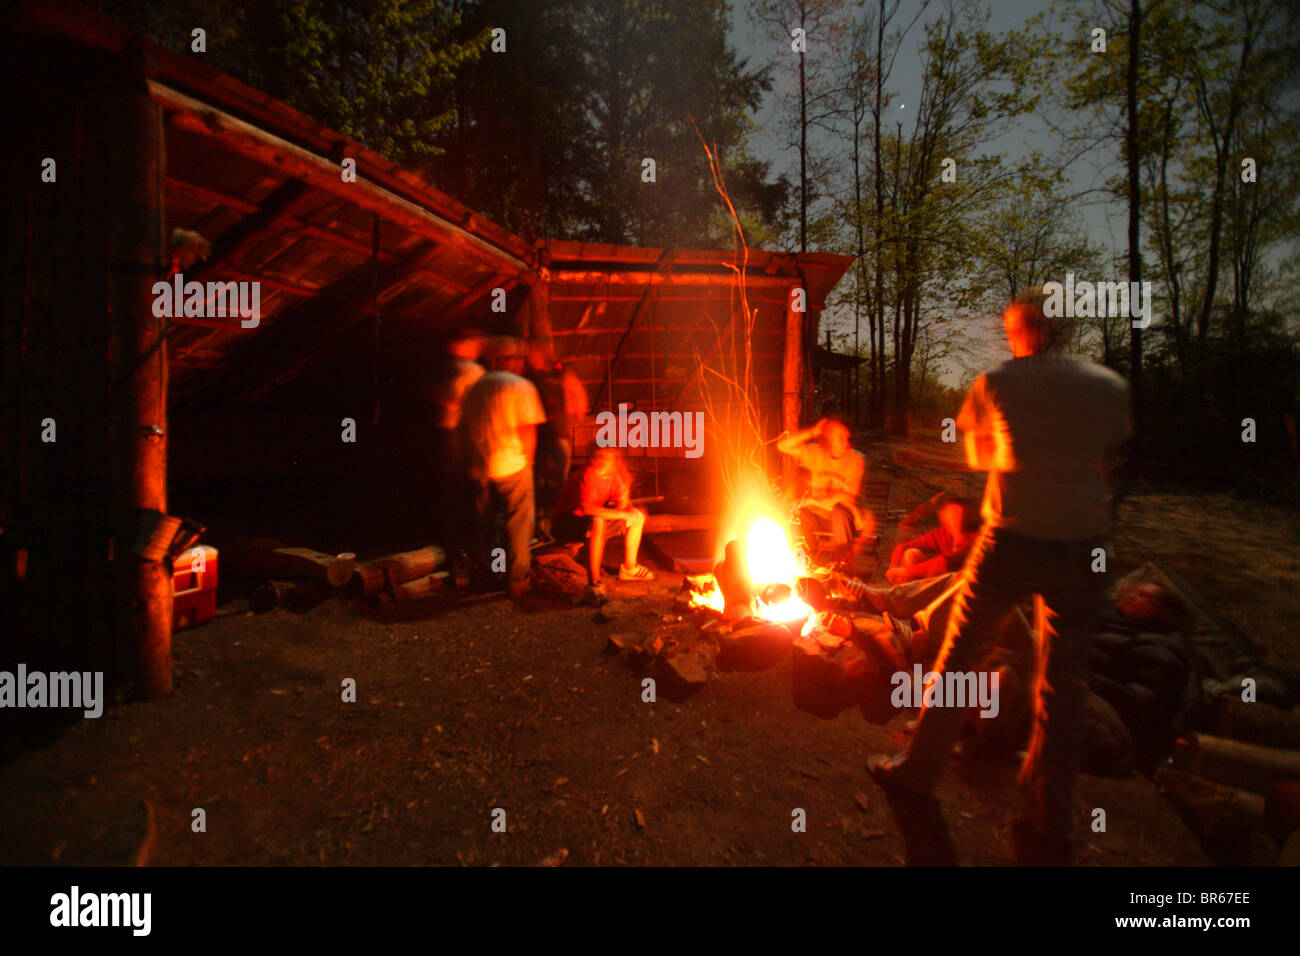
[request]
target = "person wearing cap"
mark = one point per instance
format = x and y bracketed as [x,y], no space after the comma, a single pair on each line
[1047,427]
[500,415]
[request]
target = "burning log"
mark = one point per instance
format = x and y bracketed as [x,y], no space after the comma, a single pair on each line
[732,576]
[813,593]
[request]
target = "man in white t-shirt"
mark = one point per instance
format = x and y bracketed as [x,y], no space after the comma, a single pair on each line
[1046,426]
[500,415]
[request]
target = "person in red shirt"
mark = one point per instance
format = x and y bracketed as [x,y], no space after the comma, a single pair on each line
[596,505]
[949,544]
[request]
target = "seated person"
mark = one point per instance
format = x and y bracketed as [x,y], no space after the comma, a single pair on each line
[835,472]
[939,551]
[596,505]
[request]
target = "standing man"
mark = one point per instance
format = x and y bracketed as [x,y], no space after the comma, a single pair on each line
[501,415]
[565,402]
[835,472]
[461,369]
[1045,426]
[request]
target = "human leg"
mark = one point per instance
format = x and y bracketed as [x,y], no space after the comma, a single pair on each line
[517,493]
[632,541]
[1067,616]
[989,586]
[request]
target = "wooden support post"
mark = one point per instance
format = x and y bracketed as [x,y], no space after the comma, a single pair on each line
[791,377]
[539,311]
[137,167]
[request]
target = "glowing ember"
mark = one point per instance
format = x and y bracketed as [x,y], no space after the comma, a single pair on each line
[705,593]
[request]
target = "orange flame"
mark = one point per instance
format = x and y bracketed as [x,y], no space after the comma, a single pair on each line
[770,560]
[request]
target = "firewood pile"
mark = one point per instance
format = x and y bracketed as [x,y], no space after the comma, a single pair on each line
[299,579]
[1240,794]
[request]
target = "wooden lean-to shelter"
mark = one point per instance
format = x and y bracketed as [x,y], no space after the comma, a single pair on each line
[113,416]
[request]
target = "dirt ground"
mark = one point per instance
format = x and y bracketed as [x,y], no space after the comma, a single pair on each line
[465,708]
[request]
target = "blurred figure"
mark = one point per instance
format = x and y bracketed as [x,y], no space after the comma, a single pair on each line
[564,399]
[460,370]
[948,545]
[835,473]
[596,506]
[501,414]
[1045,426]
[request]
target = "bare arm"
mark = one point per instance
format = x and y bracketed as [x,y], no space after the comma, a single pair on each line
[981,448]
[790,442]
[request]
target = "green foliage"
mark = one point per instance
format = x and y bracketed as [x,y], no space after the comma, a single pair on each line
[546,138]
[551,138]
[379,71]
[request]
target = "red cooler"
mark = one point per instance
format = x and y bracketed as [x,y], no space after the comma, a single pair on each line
[194,587]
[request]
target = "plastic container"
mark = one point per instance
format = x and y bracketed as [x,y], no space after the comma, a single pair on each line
[194,587]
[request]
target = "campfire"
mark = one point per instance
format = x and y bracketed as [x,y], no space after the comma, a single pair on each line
[759,576]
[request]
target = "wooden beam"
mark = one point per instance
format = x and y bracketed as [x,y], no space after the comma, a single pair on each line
[301,332]
[295,224]
[143,592]
[539,312]
[618,351]
[210,195]
[349,302]
[705,294]
[462,309]
[284,200]
[672,279]
[279,285]
[673,329]
[275,153]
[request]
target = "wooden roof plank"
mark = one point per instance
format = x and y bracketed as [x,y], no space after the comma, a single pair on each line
[279,154]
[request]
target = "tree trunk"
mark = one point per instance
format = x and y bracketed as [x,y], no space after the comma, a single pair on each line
[803,139]
[878,300]
[1134,216]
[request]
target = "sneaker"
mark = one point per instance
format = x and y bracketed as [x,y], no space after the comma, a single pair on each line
[595,595]
[638,573]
